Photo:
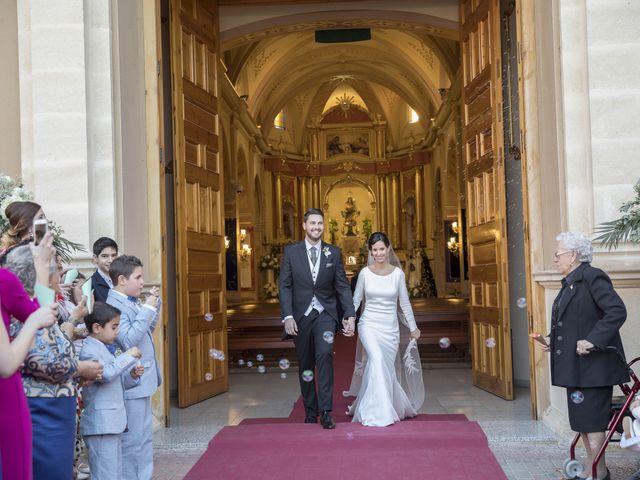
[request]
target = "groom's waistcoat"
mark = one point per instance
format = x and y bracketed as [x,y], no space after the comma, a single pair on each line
[296,284]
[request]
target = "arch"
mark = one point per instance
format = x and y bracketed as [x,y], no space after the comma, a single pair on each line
[322,20]
[347,180]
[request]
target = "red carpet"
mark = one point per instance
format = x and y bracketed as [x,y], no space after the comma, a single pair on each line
[446,447]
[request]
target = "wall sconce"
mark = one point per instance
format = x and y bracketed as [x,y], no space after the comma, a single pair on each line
[454,227]
[245,252]
[243,234]
[226,242]
[453,245]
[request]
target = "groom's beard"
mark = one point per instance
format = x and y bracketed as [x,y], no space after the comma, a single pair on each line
[314,236]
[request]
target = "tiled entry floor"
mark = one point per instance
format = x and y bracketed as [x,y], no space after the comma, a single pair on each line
[526,449]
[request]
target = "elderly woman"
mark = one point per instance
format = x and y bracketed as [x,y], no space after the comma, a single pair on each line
[48,381]
[586,317]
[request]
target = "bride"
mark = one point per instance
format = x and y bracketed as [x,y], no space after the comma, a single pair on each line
[379,370]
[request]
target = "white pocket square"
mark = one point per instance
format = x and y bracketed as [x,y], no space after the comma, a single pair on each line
[329,265]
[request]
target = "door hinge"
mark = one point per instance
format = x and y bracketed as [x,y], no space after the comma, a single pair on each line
[158,67]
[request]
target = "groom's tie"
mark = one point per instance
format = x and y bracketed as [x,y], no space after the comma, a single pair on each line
[314,255]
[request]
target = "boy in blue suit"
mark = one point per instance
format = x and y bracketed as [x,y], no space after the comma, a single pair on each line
[104,417]
[136,326]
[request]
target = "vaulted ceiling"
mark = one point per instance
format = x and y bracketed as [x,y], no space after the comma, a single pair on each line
[405,64]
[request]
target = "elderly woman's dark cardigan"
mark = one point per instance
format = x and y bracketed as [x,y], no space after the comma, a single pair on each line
[590,309]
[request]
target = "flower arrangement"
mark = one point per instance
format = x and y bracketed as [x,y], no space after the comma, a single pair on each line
[12,190]
[269,261]
[624,229]
[270,290]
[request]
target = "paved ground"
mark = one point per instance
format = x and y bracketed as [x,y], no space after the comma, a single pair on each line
[526,449]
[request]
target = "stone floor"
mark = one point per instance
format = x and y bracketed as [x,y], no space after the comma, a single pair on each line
[526,449]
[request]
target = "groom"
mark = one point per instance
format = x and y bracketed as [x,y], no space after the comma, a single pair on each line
[312,282]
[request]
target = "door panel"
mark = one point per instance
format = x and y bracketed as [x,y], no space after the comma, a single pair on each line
[199,209]
[485,179]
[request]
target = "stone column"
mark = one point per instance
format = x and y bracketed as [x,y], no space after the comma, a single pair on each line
[10,91]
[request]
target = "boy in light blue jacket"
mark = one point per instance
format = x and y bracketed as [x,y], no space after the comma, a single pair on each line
[105,418]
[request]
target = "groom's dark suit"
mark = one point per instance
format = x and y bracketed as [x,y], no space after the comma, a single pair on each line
[297,289]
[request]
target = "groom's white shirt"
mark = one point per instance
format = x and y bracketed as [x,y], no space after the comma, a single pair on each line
[314,274]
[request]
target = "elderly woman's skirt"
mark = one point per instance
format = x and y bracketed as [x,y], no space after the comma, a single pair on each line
[589,408]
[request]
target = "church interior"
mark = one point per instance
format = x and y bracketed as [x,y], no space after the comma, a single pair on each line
[364,120]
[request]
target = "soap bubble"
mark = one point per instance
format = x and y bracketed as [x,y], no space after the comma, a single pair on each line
[284,363]
[241,362]
[260,357]
[249,364]
[490,342]
[577,397]
[283,375]
[307,375]
[216,354]
[521,302]
[328,337]
[208,317]
[262,369]
[444,342]
[208,377]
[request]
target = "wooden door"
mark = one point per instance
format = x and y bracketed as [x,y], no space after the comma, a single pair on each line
[485,180]
[199,200]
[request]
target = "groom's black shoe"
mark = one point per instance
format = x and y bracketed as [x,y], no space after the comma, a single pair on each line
[309,419]
[326,421]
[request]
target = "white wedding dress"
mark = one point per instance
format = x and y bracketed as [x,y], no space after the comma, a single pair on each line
[381,400]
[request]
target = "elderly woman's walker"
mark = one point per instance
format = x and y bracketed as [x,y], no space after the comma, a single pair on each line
[573,467]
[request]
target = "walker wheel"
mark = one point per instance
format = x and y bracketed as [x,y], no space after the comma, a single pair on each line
[572,468]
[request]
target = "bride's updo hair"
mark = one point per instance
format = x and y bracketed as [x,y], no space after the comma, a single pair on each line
[378,237]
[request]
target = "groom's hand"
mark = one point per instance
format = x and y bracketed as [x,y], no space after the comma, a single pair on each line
[290,326]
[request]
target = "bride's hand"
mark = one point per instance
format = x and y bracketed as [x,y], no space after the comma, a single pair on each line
[415,334]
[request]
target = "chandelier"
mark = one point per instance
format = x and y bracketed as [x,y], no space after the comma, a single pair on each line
[453,245]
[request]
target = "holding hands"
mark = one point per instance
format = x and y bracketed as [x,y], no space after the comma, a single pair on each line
[349,327]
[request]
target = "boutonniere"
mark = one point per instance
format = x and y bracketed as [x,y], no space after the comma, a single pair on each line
[326,252]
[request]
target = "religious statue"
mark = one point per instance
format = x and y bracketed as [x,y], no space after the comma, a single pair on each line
[350,215]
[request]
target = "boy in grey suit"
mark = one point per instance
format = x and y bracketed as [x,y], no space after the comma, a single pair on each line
[136,326]
[104,417]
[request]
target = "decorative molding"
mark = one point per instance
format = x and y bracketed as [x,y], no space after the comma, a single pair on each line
[261,59]
[425,52]
[405,21]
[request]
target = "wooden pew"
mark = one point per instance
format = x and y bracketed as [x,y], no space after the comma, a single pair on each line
[258,327]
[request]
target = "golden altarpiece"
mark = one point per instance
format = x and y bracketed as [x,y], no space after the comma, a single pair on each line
[348,173]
